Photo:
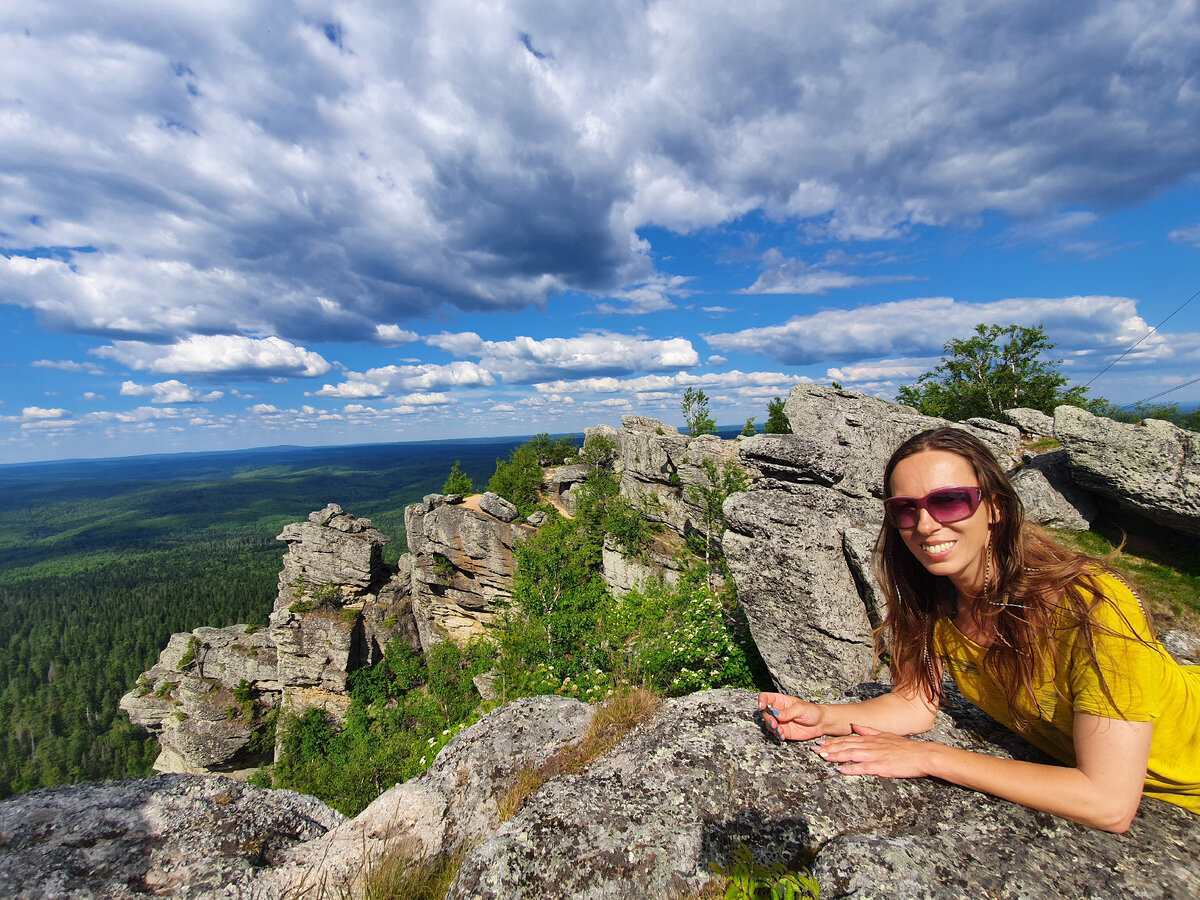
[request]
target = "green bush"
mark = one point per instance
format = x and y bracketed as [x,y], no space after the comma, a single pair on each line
[517,480]
[458,482]
[552,452]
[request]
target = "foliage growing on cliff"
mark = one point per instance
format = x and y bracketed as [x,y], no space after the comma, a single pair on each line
[402,712]
[517,479]
[995,369]
[458,482]
[696,414]
[777,421]
[552,451]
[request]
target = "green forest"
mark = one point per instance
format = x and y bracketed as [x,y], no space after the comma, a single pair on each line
[101,561]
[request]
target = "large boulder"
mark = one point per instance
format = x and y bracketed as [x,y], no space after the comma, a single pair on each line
[332,547]
[174,835]
[1151,469]
[1050,495]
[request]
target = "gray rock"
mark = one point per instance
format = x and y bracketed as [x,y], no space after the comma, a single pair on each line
[495,505]
[785,550]
[462,566]
[1050,495]
[1152,469]
[332,547]
[648,819]
[1033,423]
[450,806]
[174,835]
[537,518]
[1183,646]
[658,561]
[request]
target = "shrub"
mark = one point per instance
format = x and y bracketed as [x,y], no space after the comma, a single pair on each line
[517,480]
[458,482]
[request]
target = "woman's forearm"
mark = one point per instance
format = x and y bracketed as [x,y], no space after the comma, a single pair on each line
[893,712]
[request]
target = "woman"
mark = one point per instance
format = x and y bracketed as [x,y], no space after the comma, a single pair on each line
[1039,637]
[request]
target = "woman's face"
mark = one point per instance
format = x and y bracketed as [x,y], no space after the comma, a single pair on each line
[957,550]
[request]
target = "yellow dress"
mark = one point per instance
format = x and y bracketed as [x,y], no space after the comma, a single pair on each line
[1145,683]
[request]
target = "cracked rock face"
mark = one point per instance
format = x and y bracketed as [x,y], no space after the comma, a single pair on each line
[174,835]
[647,820]
[1152,470]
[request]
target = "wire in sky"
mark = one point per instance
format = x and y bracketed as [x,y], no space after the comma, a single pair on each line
[1162,393]
[1142,338]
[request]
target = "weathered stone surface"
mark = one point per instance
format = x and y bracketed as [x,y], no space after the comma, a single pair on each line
[1033,423]
[785,551]
[660,467]
[647,820]
[451,805]
[174,835]
[1050,495]
[495,505]
[185,700]
[659,560]
[563,480]
[332,547]
[462,564]
[1183,646]
[1152,469]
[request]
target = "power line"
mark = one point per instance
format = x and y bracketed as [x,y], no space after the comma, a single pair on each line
[1162,393]
[1142,338]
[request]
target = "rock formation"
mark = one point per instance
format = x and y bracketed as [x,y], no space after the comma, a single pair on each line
[1151,470]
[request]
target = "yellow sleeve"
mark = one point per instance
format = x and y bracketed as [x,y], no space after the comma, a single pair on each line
[1129,659]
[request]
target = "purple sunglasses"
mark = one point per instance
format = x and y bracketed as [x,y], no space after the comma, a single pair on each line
[945,505]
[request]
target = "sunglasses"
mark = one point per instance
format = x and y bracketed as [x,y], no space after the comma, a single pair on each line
[945,505]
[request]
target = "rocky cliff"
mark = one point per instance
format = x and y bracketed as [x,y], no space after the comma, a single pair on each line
[697,780]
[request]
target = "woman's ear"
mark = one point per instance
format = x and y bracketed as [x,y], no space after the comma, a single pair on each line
[993,512]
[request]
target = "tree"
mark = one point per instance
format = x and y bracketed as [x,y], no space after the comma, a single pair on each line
[777,421]
[458,482]
[997,368]
[695,413]
[722,483]
[518,479]
[552,452]
[749,428]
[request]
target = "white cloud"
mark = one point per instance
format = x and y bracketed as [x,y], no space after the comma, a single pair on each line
[906,370]
[434,399]
[69,365]
[37,412]
[172,391]
[377,382]
[1189,235]
[524,359]
[394,335]
[503,407]
[218,354]
[922,326]
[672,383]
[716,361]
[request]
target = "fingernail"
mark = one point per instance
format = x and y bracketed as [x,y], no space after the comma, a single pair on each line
[819,741]
[772,710]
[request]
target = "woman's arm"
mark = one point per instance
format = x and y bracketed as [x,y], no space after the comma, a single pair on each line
[903,711]
[1102,790]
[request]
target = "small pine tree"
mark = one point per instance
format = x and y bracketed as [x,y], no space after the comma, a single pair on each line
[458,482]
[749,428]
[777,422]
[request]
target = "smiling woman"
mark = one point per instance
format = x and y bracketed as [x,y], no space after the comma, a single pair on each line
[1043,639]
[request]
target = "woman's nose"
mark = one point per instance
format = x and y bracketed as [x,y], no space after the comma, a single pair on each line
[927,524]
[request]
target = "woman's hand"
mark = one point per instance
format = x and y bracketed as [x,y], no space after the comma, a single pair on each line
[870,752]
[789,718]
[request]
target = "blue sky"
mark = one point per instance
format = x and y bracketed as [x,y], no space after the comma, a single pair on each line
[227,225]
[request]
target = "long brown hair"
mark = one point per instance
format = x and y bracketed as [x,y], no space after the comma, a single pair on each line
[1034,582]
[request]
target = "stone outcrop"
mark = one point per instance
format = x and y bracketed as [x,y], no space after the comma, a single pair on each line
[697,780]
[659,560]
[1151,469]
[1050,495]
[210,698]
[174,835]
[462,565]
[1033,423]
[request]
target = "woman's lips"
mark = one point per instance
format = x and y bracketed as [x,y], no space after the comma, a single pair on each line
[938,550]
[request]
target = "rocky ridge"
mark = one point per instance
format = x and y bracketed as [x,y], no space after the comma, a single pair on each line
[648,817]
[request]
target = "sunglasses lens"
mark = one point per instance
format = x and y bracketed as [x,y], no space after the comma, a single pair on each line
[903,513]
[951,505]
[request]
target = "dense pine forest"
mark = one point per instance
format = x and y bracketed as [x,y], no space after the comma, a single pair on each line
[101,561]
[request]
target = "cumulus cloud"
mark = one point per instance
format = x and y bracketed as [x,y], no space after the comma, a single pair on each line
[904,370]
[524,360]
[1093,324]
[31,413]
[394,335]
[162,181]
[427,376]
[172,391]
[218,354]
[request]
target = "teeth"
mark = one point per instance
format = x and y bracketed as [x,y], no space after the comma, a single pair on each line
[939,548]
